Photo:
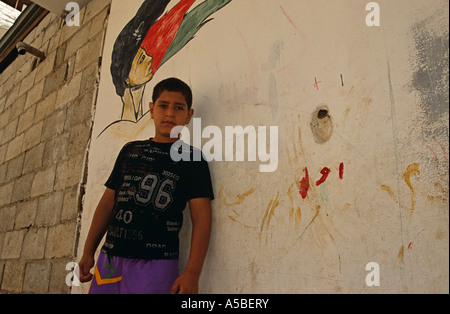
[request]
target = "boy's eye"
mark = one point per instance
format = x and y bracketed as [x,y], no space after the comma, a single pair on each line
[180,108]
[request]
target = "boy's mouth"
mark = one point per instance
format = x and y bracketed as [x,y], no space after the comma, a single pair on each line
[169,123]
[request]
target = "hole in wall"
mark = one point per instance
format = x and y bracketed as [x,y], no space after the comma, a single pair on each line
[321,124]
[322,114]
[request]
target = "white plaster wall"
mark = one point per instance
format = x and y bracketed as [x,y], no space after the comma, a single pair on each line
[256,64]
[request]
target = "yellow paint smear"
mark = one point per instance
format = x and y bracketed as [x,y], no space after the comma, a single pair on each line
[240,198]
[298,217]
[388,189]
[270,210]
[412,170]
[290,193]
[237,221]
[346,206]
[265,215]
[400,254]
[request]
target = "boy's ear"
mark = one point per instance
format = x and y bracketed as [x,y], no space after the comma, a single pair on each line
[190,114]
[151,107]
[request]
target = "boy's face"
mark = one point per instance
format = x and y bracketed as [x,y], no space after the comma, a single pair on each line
[169,110]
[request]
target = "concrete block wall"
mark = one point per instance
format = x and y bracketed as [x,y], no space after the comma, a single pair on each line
[46,114]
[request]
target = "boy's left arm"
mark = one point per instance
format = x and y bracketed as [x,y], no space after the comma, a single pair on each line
[200,209]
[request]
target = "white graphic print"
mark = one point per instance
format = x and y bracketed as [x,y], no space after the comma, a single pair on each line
[152,189]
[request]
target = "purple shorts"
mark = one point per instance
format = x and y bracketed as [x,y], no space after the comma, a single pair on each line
[119,275]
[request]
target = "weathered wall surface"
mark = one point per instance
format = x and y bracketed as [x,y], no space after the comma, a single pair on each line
[365,181]
[46,114]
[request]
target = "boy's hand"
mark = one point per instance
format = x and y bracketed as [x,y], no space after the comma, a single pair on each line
[84,265]
[187,283]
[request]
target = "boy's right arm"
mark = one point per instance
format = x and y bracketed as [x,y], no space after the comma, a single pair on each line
[99,225]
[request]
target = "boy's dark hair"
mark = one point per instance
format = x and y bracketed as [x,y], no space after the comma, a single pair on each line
[173,85]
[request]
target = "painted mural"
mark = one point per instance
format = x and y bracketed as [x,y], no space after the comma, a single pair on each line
[149,40]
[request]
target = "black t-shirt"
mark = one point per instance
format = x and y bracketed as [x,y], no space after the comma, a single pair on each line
[151,193]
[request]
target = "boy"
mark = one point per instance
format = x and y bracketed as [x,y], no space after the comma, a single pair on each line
[141,209]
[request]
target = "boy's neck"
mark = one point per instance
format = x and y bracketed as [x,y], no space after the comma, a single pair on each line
[163,140]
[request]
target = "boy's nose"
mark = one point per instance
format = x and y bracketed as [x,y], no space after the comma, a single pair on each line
[170,112]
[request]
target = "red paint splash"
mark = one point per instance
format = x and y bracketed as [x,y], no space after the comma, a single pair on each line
[304,184]
[341,171]
[325,172]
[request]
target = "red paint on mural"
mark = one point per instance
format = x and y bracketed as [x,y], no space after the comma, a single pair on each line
[162,33]
[325,172]
[304,184]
